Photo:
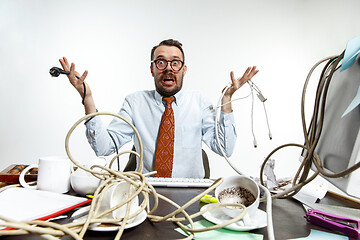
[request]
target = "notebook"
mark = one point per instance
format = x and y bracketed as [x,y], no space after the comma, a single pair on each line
[23,204]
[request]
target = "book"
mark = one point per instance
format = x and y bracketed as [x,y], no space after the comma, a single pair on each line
[23,204]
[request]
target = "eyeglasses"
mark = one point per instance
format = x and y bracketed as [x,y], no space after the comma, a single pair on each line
[175,65]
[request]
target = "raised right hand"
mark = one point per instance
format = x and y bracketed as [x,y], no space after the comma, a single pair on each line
[74,77]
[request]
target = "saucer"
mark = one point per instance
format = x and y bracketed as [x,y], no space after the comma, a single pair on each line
[107,228]
[217,216]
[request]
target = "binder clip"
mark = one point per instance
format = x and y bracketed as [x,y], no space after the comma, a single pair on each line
[347,226]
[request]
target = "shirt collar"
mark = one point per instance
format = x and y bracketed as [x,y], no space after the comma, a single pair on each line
[178,97]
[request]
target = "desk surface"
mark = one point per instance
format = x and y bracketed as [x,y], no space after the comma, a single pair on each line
[288,218]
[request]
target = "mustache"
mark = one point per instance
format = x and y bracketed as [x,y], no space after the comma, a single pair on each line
[167,75]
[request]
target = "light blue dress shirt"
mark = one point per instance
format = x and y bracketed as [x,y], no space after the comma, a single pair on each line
[194,124]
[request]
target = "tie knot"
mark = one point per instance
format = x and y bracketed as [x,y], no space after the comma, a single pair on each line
[168,100]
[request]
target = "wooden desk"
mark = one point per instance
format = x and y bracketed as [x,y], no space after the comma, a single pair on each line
[288,218]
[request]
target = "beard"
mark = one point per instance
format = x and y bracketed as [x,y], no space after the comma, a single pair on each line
[165,90]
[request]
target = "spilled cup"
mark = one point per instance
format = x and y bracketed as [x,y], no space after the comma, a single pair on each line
[239,189]
[116,194]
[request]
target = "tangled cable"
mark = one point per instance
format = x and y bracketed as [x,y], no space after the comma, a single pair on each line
[137,181]
[313,135]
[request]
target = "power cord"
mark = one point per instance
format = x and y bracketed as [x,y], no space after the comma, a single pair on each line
[261,97]
[253,87]
[55,72]
[313,135]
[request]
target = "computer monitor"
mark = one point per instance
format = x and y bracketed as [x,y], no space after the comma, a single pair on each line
[339,144]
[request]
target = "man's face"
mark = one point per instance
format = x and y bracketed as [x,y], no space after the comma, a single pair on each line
[168,82]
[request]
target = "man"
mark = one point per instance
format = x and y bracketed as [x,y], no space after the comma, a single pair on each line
[193,115]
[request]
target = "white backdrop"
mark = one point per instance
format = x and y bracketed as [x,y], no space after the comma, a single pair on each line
[113,39]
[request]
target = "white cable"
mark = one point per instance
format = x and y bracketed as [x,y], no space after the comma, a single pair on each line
[270,228]
[262,99]
[267,121]
[240,98]
[252,88]
[252,117]
[217,132]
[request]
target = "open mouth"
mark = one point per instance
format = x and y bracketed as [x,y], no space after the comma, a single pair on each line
[168,80]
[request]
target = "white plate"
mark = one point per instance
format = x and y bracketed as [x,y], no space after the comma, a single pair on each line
[94,227]
[217,216]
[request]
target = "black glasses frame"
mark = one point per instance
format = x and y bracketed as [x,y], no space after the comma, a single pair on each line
[167,62]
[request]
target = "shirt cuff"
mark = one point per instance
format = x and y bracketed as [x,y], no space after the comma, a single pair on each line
[91,123]
[227,118]
[89,119]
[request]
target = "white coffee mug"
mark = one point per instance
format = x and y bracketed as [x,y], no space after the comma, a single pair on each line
[53,174]
[116,194]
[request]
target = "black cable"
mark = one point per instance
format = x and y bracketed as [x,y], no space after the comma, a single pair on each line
[83,99]
[117,152]
[56,71]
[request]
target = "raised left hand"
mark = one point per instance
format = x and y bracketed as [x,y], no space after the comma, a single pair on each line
[237,83]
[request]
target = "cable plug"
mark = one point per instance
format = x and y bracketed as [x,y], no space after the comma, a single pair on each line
[270,135]
[261,97]
[255,143]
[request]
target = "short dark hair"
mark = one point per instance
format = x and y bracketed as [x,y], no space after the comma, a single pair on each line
[168,42]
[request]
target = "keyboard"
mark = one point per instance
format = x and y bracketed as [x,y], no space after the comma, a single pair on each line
[180,182]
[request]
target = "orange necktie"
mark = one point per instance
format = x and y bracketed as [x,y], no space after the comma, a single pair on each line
[165,145]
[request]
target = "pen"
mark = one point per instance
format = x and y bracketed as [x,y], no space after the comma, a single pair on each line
[72,218]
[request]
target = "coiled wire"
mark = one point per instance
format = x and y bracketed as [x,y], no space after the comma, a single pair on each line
[137,180]
[312,137]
